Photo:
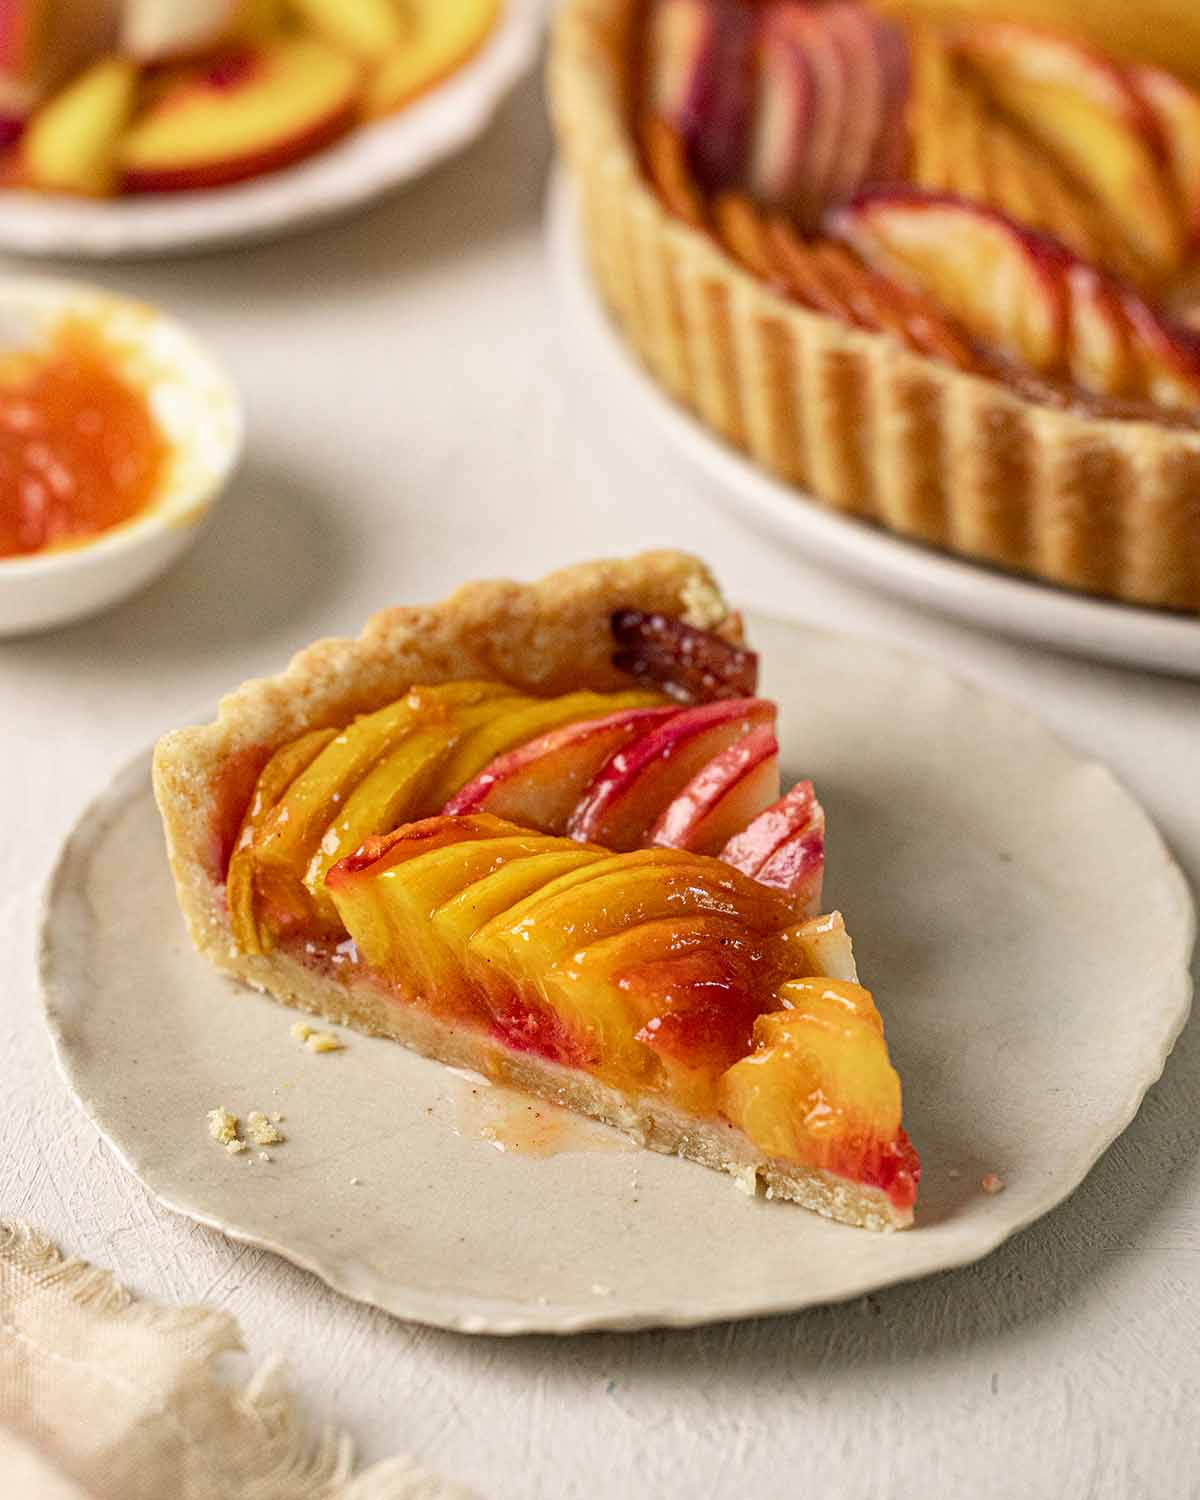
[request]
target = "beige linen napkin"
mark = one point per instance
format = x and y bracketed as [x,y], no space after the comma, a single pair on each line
[106,1398]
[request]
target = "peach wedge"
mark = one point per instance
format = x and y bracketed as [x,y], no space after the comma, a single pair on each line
[250,110]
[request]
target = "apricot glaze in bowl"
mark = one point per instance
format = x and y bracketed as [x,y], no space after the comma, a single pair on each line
[118,432]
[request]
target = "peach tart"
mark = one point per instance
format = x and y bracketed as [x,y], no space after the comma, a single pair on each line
[539,831]
[939,269]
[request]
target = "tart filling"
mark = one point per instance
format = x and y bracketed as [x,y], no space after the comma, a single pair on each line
[597,894]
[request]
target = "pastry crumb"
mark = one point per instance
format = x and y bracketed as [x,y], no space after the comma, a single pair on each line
[992,1183]
[222,1125]
[261,1131]
[747,1181]
[301,1030]
[354,1181]
[264,1156]
[323,1041]
[600,1290]
[234,1147]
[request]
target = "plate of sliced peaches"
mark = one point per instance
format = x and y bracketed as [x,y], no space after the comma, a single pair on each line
[132,127]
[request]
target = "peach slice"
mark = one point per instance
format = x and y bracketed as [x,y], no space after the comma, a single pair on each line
[157,31]
[819,1088]
[785,110]
[387,911]
[623,890]
[1001,281]
[71,144]
[820,945]
[253,109]
[459,917]
[723,796]
[1176,108]
[440,37]
[784,846]
[368,29]
[1087,111]
[273,782]
[683,991]
[539,783]
[290,838]
[634,786]
[700,81]
[521,721]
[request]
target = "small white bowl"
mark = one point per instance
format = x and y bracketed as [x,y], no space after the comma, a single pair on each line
[198,409]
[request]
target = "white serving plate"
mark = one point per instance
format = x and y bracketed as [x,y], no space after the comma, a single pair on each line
[365,164]
[968,591]
[1025,930]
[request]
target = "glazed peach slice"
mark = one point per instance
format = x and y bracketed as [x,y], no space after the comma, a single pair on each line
[1084,108]
[633,787]
[273,782]
[71,145]
[623,890]
[290,836]
[1028,296]
[663,1005]
[539,783]
[386,896]
[438,38]
[784,846]
[524,721]
[1003,282]
[819,1088]
[723,796]
[250,110]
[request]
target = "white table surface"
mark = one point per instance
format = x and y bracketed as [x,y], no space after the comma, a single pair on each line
[413,423]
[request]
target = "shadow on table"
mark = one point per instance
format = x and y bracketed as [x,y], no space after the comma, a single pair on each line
[272,550]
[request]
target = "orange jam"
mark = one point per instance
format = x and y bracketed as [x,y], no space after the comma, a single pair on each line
[80,450]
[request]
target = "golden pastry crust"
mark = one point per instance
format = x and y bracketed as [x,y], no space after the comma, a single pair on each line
[957,460]
[547,637]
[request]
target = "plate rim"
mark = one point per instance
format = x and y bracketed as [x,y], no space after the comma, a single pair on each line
[476,1314]
[367,163]
[974,592]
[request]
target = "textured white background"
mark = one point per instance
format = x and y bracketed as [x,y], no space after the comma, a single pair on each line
[413,423]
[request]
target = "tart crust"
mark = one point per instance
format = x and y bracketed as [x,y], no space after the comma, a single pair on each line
[546,637]
[1107,505]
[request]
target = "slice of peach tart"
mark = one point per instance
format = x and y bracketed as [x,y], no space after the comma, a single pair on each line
[538,831]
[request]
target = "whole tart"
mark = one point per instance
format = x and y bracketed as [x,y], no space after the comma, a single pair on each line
[537,831]
[950,439]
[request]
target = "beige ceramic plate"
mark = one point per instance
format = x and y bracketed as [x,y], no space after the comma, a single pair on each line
[1025,930]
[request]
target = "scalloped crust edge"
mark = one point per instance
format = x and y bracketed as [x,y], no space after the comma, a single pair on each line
[958,461]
